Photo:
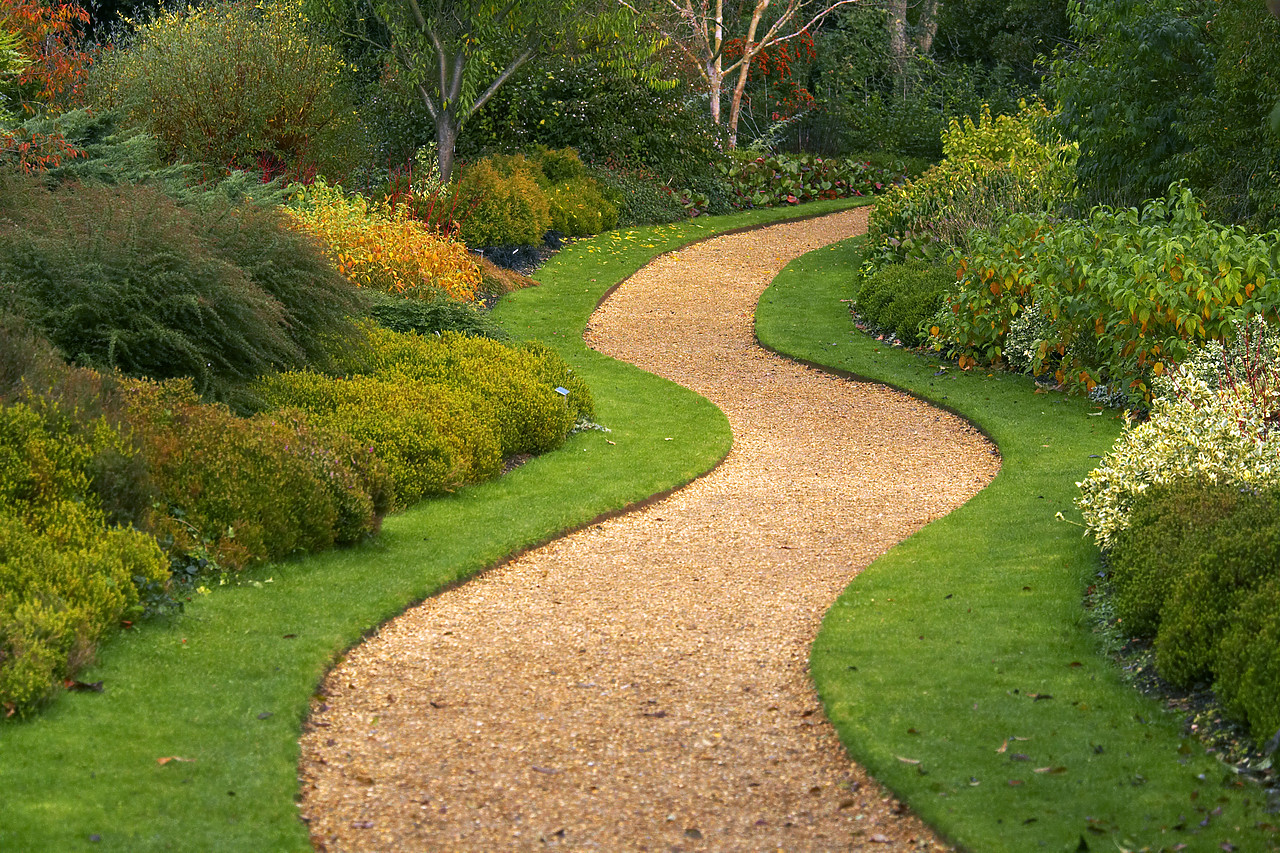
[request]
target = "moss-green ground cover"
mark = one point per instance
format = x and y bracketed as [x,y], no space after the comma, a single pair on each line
[226,684]
[960,668]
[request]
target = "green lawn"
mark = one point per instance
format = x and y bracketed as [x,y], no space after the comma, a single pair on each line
[960,668]
[226,684]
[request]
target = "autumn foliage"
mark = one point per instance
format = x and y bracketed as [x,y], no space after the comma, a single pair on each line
[49,39]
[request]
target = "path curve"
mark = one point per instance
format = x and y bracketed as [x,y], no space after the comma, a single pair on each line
[643,684]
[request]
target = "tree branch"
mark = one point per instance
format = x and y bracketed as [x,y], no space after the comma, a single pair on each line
[502,78]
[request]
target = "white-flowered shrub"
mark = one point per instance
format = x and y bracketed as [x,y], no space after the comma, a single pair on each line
[1216,420]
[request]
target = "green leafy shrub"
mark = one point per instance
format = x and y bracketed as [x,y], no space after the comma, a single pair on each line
[125,277]
[236,84]
[508,207]
[1248,661]
[641,197]
[1171,526]
[579,209]
[992,168]
[251,489]
[430,316]
[66,577]
[1127,292]
[900,298]
[559,165]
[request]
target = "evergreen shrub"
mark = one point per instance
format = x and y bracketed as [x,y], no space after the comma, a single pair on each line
[901,298]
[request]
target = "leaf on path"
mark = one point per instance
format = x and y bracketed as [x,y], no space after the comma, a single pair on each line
[880,838]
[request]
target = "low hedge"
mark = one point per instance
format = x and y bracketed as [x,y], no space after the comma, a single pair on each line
[901,298]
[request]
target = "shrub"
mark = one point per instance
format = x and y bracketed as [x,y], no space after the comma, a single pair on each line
[250,489]
[1222,435]
[432,438]
[900,298]
[790,178]
[1248,661]
[125,277]
[1171,525]
[433,315]
[1127,292]
[442,411]
[65,577]
[579,209]
[508,208]
[382,247]
[559,165]
[235,84]
[641,197]
[997,166]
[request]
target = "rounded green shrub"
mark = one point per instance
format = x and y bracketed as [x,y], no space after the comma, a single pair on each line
[1171,526]
[241,84]
[559,165]
[1248,661]
[900,298]
[579,209]
[506,205]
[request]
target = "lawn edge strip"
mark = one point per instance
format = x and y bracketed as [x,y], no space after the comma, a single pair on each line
[960,668]
[194,742]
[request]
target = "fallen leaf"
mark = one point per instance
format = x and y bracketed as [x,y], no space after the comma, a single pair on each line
[908,760]
[1052,771]
[168,758]
[82,687]
[1016,782]
[880,838]
[1003,746]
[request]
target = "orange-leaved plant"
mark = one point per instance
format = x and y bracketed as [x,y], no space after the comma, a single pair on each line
[382,246]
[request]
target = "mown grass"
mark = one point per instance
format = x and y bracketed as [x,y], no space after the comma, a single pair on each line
[960,668]
[226,684]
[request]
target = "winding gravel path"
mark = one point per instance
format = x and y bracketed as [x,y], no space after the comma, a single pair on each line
[642,684]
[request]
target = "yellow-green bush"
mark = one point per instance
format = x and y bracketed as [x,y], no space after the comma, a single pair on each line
[433,438]
[507,206]
[579,209]
[66,577]
[382,247]
[441,410]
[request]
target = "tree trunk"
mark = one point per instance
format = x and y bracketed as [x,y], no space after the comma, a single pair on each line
[899,46]
[447,128]
[927,26]
[749,49]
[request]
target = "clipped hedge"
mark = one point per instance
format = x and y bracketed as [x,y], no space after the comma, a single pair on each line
[243,490]
[901,299]
[506,205]
[793,178]
[441,411]
[1198,571]
[579,208]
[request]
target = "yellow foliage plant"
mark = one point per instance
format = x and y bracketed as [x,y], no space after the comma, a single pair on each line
[380,246]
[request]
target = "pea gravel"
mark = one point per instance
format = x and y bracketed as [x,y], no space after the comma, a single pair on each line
[643,684]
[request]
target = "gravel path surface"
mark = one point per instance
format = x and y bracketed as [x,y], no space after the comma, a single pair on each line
[643,684]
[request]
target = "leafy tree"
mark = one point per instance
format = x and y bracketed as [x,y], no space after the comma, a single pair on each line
[48,40]
[455,55]
[1019,34]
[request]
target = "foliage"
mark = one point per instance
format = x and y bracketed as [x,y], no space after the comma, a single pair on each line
[53,63]
[641,196]
[998,166]
[454,56]
[1170,90]
[1020,34]
[1127,292]
[508,207]
[578,208]
[243,490]
[66,577]
[900,299]
[1219,434]
[12,64]
[443,411]
[1200,561]
[124,277]
[432,315]
[382,247]
[791,179]
[236,84]
[1248,661]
